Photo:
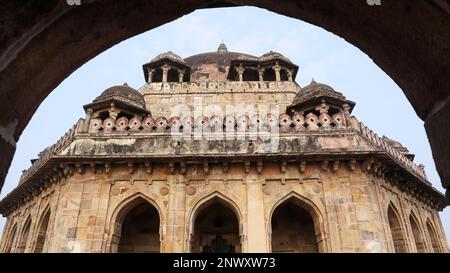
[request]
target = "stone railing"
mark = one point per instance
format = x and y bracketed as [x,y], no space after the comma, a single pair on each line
[396,155]
[242,123]
[223,86]
[50,151]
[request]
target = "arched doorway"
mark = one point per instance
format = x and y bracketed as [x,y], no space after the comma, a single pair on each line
[24,237]
[396,231]
[42,235]
[418,239]
[293,228]
[11,239]
[137,228]
[433,237]
[216,228]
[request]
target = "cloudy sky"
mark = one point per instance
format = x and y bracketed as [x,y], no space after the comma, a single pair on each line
[321,55]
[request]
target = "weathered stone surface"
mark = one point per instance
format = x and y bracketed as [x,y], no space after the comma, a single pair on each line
[38,30]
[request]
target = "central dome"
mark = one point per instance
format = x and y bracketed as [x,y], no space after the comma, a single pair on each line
[213,66]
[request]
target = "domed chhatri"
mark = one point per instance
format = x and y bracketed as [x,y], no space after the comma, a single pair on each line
[312,94]
[223,152]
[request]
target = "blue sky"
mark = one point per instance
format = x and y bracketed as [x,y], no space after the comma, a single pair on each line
[321,55]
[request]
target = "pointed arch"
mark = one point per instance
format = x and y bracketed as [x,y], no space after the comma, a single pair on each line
[24,235]
[230,223]
[417,233]
[395,225]
[436,246]
[11,239]
[316,235]
[136,225]
[42,231]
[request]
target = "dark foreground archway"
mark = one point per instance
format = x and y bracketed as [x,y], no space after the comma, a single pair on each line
[43,42]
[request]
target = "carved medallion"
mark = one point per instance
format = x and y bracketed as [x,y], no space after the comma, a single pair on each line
[191,190]
[164,191]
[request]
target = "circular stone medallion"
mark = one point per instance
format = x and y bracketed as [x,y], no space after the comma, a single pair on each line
[164,191]
[191,190]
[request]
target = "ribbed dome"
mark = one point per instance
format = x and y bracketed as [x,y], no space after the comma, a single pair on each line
[168,55]
[123,91]
[312,94]
[214,65]
[315,89]
[273,55]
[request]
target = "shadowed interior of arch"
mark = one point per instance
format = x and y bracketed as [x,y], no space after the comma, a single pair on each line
[139,228]
[42,235]
[396,231]
[417,235]
[216,228]
[293,229]
[433,237]
[11,240]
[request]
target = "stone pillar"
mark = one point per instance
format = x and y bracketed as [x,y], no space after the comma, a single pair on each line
[150,74]
[256,224]
[180,76]
[113,111]
[174,240]
[240,70]
[290,75]
[261,73]
[165,68]
[347,117]
[277,69]
[87,120]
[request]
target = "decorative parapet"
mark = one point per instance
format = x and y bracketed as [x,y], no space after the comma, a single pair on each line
[398,157]
[296,122]
[223,87]
[52,150]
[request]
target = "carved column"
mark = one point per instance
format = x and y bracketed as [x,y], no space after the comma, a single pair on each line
[290,75]
[277,69]
[150,72]
[87,120]
[240,70]
[180,75]
[256,236]
[261,71]
[347,117]
[165,68]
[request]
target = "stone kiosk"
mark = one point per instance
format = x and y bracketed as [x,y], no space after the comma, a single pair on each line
[182,165]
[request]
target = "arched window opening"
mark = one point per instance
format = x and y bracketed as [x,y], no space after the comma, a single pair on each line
[433,237]
[42,235]
[293,229]
[418,239]
[11,239]
[138,226]
[24,238]
[396,231]
[216,229]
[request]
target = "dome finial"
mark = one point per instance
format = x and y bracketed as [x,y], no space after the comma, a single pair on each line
[313,81]
[222,48]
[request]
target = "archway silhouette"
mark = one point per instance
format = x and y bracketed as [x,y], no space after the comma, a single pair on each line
[293,228]
[137,227]
[417,234]
[433,237]
[42,232]
[32,50]
[11,239]
[215,228]
[24,236]
[395,225]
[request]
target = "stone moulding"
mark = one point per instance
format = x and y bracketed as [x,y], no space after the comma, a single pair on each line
[77,151]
